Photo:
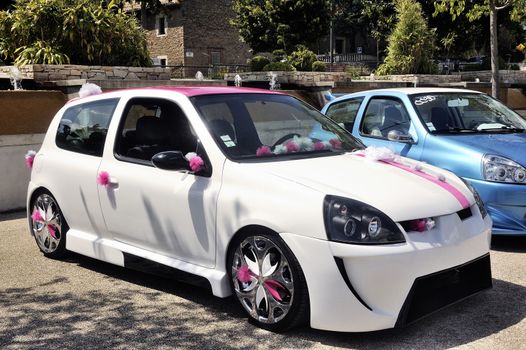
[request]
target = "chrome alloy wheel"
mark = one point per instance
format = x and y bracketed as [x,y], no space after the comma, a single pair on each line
[46,223]
[262,279]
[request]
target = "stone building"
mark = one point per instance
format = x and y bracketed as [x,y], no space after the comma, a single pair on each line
[195,33]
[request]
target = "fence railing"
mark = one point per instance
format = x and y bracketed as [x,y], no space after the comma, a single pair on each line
[346,58]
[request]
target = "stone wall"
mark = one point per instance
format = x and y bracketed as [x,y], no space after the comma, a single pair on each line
[507,76]
[43,73]
[170,45]
[195,29]
[421,79]
[304,79]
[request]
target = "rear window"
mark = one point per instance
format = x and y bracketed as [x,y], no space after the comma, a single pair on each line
[83,127]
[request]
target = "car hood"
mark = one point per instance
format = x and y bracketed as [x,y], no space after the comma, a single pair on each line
[512,146]
[399,193]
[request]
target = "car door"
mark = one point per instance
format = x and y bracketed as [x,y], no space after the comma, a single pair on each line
[171,213]
[385,122]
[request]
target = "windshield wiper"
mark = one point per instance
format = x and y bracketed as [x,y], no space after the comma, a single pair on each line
[504,129]
[453,131]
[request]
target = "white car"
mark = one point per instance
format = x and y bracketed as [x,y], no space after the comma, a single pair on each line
[226,186]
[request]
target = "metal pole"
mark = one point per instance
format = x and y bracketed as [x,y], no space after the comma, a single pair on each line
[331,57]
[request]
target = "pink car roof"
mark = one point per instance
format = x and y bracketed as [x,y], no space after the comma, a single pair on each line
[190,91]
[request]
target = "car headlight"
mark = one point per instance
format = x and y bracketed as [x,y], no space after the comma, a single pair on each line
[478,200]
[500,169]
[351,221]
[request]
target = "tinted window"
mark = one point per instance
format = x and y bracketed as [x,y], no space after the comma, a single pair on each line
[83,128]
[385,116]
[344,112]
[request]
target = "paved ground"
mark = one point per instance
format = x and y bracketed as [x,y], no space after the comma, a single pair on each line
[85,304]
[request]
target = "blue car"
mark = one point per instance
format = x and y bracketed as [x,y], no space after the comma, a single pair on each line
[466,132]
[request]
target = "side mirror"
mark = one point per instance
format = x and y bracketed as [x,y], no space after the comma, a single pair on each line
[395,135]
[170,160]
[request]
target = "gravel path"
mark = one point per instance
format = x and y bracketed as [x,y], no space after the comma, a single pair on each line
[81,303]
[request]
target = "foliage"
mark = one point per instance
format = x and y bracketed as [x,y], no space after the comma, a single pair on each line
[76,31]
[258,62]
[302,58]
[411,44]
[279,55]
[39,51]
[278,66]
[318,66]
[269,25]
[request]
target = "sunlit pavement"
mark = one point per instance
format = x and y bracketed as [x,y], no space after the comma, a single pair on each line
[80,303]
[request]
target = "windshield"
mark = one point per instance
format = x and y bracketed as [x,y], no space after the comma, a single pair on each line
[459,112]
[268,126]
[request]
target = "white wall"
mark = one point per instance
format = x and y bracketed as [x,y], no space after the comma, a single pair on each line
[14,175]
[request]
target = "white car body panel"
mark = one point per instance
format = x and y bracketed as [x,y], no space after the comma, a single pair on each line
[286,197]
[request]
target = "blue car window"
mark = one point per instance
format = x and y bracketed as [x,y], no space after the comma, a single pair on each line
[384,117]
[344,112]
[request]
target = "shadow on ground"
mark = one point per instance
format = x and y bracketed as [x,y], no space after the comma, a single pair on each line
[509,244]
[196,319]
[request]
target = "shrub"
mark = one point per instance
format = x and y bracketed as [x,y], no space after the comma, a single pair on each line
[318,66]
[258,62]
[76,31]
[515,66]
[279,55]
[302,59]
[278,66]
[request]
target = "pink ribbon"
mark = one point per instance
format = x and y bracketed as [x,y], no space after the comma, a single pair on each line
[451,189]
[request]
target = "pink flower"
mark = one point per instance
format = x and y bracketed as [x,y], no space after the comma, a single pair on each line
[196,164]
[292,147]
[103,178]
[263,151]
[335,143]
[29,158]
[418,225]
[52,231]
[243,274]
[36,216]
[319,146]
[272,287]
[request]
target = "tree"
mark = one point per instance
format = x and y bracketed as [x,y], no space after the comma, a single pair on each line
[269,25]
[76,31]
[481,8]
[411,44]
[379,18]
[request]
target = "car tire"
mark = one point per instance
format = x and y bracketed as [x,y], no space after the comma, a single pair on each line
[48,225]
[267,280]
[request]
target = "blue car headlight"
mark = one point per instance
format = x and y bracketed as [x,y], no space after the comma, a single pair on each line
[350,221]
[500,169]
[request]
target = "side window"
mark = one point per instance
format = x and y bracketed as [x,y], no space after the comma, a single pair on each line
[150,126]
[344,113]
[385,118]
[83,128]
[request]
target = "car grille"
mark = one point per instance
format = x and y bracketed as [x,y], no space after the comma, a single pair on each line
[435,291]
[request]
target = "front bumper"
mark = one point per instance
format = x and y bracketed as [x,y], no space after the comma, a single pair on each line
[385,281]
[506,204]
